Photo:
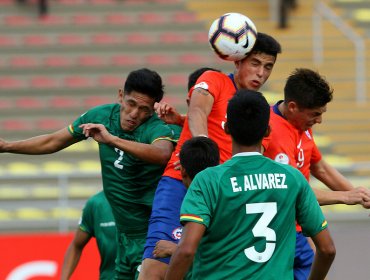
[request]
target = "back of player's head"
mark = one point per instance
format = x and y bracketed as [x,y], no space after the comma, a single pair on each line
[193,77]
[197,154]
[248,114]
[308,89]
[145,81]
[266,44]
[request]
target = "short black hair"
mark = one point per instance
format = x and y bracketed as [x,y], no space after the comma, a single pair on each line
[193,77]
[197,154]
[308,89]
[145,81]
[248,114]
[266,44]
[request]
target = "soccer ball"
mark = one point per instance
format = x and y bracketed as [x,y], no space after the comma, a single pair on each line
[232,36]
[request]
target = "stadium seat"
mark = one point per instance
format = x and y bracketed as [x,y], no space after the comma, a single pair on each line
[77,82]
[9,82]
[53,20]
[13,193]
[172,38]
[57,167]
[194,59]
[63,102]
[43,82]
[151,18]
[125,60]
[159,59]
[183,17]
[177,80]
[29,103]
[50,124]
[71,39]
[37,40]
[91,60]
[105,39]
[17,20]
[30,213]
[93,101]
[92,166]
[6,215]
[82,191]
[6,104]
[23,62]
[45,192]
[57,61]
[86,19]
[139,39]
[22,168]
[15,125]
[119,19]
[66,213]
[7,41]
[110,81]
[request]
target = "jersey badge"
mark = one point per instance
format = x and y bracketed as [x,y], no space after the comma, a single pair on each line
[202,85]
[282,158]
[176,233]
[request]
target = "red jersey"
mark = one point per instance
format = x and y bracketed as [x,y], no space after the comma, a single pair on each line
[286,144]
[222,88]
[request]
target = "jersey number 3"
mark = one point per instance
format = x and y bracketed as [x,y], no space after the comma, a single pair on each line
[261,229]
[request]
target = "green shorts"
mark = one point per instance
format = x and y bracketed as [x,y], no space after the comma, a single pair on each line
[129,255]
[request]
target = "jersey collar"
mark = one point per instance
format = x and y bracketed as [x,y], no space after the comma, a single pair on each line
[247,154]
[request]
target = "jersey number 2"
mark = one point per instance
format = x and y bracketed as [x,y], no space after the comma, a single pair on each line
[261,229]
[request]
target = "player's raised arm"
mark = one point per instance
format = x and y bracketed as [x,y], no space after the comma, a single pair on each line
[201,103]
[43,144]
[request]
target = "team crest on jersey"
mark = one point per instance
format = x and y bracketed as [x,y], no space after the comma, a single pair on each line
[176,233]
[202,85]
[308,134]
[282,158]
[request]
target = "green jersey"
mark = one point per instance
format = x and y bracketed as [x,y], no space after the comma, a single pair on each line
[97,220]
[249,206]
[129,183]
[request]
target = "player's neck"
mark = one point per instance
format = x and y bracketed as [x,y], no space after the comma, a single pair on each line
[283,109]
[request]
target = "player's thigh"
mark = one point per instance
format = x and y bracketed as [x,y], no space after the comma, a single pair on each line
[152,269]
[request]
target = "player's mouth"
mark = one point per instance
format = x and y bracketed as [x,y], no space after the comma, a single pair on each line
[255,84]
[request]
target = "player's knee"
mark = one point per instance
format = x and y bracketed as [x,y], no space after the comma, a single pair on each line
[152,270]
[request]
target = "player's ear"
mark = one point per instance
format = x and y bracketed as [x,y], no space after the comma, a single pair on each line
[226,128]
[185,177]
[120,95]
[292,106]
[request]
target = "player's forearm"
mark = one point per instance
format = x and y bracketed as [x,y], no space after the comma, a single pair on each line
[146,152]
[330,177]
[330,197]
[179,265]
[71,260]
[321,265]
[197,122]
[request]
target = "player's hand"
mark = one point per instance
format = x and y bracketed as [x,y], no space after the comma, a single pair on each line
[97,131]
[167,113]
[2,145]
[164,249]
[359,195]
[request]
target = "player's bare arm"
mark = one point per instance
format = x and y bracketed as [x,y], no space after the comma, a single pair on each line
[324,257]
[73,253]
[159,152]
[201,103]
[43,144]
[168,113]
[183,256]
[330,176]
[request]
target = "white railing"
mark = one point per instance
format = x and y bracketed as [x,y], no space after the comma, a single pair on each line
[322,11]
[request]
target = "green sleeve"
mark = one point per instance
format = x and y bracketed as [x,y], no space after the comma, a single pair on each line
[87,218]
[199,200]
[309,214]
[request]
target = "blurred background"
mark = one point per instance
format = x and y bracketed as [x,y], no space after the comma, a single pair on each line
[61,57]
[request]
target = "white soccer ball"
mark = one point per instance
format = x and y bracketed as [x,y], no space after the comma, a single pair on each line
[232,36]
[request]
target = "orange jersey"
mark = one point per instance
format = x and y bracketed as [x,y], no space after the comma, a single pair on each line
[288,145]
[222,88]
